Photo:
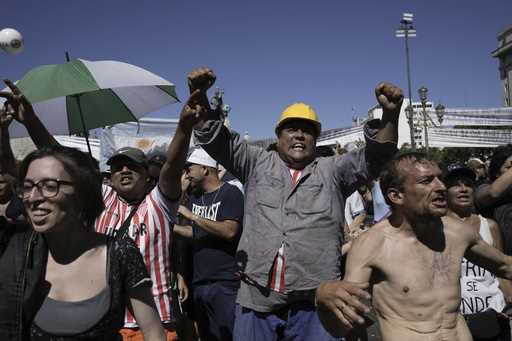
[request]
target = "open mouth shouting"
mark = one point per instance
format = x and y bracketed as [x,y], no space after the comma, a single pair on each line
[464,199]
[126,180]
[439,201]
[298,146]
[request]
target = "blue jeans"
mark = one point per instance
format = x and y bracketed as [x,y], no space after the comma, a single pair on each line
[299,322]
[214,309]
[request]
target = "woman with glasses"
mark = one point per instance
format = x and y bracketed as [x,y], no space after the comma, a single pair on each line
[60,279]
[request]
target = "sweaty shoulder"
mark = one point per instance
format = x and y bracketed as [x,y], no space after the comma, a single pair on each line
[365,254]
[383,229]
[372,240]
[459,229]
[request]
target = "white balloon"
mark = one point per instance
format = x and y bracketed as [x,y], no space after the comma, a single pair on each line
[11,41]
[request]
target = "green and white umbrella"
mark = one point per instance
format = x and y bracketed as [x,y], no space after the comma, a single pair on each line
[81,95]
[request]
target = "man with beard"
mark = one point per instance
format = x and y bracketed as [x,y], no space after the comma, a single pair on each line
[293,215]
[412,261]
[215,210]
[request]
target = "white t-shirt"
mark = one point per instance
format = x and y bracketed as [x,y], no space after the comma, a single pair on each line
[354,206]
[381,210]
[479,288]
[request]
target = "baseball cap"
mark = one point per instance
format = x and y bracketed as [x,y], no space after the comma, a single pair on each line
[158,158]
[474,163]
[200,157]
[134,154]
[459,169]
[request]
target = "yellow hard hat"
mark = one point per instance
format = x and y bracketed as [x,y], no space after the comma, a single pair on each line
[299,111]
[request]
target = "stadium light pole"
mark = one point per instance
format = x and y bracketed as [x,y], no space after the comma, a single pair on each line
[406,30]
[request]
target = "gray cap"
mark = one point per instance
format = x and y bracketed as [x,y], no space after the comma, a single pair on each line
[131,153]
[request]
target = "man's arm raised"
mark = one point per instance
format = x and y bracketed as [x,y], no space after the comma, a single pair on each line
[7,160]
[390,98]
[170,175]
[381,136]
[223,144]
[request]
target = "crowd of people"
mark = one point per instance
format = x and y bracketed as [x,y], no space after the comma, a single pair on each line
[231,241]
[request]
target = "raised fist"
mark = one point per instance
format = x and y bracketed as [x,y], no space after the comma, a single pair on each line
[5,118]
[389,96]
[194,111]
[16,105]
[201,79]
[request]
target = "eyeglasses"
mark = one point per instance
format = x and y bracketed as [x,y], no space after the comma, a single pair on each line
[47,187]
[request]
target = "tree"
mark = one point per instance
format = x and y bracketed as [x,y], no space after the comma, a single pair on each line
[446,156]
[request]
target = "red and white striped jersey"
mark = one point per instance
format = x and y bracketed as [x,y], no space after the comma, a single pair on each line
[150,228]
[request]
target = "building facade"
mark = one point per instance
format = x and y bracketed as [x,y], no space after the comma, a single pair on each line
[504,55]
[458,127]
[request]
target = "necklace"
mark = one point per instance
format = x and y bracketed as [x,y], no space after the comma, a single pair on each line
[215,197]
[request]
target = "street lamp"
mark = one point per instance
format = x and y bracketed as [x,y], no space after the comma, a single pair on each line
[406,30]
[423,98]
[423,91]
[440,113]
[218,104]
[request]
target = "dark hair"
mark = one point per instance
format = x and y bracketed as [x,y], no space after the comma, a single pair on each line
[84,175]
[453,180]
[393,177]
[499,156]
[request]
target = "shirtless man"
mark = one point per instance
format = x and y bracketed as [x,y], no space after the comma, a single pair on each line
[411,261]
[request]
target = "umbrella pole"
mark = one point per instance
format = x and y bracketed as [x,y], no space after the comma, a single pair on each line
[86,132]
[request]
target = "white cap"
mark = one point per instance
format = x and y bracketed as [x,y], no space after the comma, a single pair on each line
[200,157]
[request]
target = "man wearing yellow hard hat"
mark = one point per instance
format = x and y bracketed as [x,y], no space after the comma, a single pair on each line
[293,211]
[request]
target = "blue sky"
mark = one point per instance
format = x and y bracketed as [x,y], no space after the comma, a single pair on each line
[268,54]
